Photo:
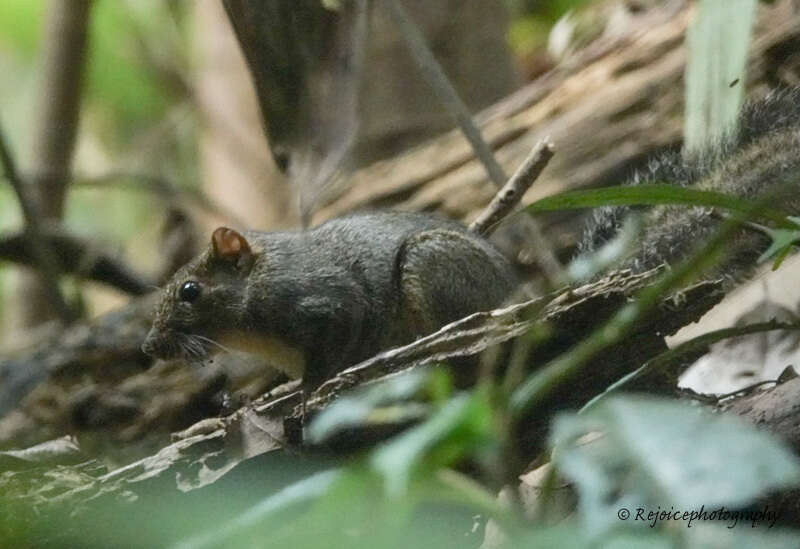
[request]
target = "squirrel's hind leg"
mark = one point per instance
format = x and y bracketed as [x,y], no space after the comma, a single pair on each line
[445,275]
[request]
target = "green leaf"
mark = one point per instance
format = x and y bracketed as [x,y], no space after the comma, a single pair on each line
[659,454]
[783,241]
[352,513]
[439,384]
[376,403]
[652,195]
[717,43]
[462,424]
[20,26]
[451,486]
[355,512]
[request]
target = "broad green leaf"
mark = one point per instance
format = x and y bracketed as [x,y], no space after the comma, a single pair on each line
[571,536]
[439,385]
[447,485]
[717,42]
[699,536]
[656,194]
[462,424]
[656,453]
[369,405]
[353,512]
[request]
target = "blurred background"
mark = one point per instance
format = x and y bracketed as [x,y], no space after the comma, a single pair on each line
[143,116]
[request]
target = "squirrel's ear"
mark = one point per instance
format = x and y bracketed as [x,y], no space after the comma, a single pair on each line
[231,246]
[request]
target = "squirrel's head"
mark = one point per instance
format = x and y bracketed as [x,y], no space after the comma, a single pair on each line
[204,301]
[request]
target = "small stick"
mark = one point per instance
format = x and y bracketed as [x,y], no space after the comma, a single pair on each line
[41,252]
[455,107]
[444,90]
[510,195]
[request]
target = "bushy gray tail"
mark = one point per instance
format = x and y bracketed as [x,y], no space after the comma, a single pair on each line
[761,155]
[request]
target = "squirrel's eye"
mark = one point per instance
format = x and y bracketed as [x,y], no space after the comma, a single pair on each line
[189,291]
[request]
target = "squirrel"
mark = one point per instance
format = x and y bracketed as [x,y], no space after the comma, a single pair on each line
[760,157]
[313,302]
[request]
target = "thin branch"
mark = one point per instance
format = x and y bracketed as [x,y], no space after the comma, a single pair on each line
[49,157]
[664,363]
[41,253]
[444,90]
[77,256]
[510,195]
[57,103]
[155,184]
[455,107]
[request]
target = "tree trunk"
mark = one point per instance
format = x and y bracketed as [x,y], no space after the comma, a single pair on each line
[238,172]
[306,65]
[48,163]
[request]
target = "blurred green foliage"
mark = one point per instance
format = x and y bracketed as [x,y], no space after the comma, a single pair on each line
[19,26]
[656,454]
[117,84]
[409,490]
[135,118]
[531,21]
[551,10]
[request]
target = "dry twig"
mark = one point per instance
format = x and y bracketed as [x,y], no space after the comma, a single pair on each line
[455,107]
[509,196]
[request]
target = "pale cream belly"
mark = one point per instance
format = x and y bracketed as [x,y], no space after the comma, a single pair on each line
[274,351]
